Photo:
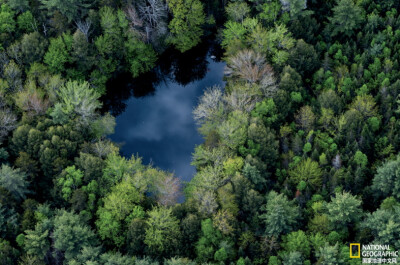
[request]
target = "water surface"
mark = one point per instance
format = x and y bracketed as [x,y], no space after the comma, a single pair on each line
[154,113]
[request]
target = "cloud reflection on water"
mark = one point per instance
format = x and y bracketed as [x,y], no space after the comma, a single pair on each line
[160,128]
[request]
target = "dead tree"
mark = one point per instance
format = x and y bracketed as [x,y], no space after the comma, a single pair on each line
[84,27]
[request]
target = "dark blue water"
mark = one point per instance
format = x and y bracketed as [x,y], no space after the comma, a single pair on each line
[157,122]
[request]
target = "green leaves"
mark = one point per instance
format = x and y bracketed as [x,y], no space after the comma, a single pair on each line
[120,203]
[185,26]
[14,181]
[360,159]
[79,100]
[297,241]
[58,53]
[162,231]
[237,11]
[71,234]
[233,131]
[272,43]
[140,56]
[72,9]
[347,16]
[37,241]
[386,181]
[309,172]
[207,245]
[280,215]
[7,22]
[385,226]
[234,32]
[344,209]
[70,180]
[266,110]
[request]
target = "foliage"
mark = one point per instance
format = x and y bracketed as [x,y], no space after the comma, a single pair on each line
[280,214]
[7,21]
[14,181]
[162,232]
[58,53]
[70,180]
[347,17]
[71,234]
[78,100]
[387,232]
[188,18]
[300,151]
[344,209]
[70,8]
[120,205]
[309,172]
[386,180]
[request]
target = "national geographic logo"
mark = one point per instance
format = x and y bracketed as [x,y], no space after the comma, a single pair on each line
[381,254]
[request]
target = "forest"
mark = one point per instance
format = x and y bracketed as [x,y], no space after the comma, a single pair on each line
[300,150]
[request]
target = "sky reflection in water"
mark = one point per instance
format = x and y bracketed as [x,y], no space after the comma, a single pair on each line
[160,127]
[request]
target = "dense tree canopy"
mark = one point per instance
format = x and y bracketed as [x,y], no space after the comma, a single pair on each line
[301,146]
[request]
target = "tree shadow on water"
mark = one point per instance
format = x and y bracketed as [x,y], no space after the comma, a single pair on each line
[172,66]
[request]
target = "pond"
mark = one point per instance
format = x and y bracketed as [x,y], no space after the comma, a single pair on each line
[154,112]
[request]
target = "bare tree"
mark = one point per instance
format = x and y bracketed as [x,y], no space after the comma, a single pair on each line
[148,19]
[4,60]
[13,75]
[33,102]
[34,25]
[269,244]
[52,84]
[103,148]
[136,23]
[8,122]
[237,11]
[153,11]
[208,104]
[243,98]
[207,201]
[84,27]
[337,162]
[268,85]
[248,65]
[285,5]
[305,118]
[44,29]
[223,221]
[168,190]
[134,17]
[14,52]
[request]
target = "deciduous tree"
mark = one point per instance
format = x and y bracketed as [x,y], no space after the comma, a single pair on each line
[121,202]
[237,11]
[79,100]
[233,130]
[309,172]
[7,22]
[185,26]
[162,231]
[248,65]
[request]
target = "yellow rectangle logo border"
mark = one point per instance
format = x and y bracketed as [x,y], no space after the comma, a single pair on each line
[351,250]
